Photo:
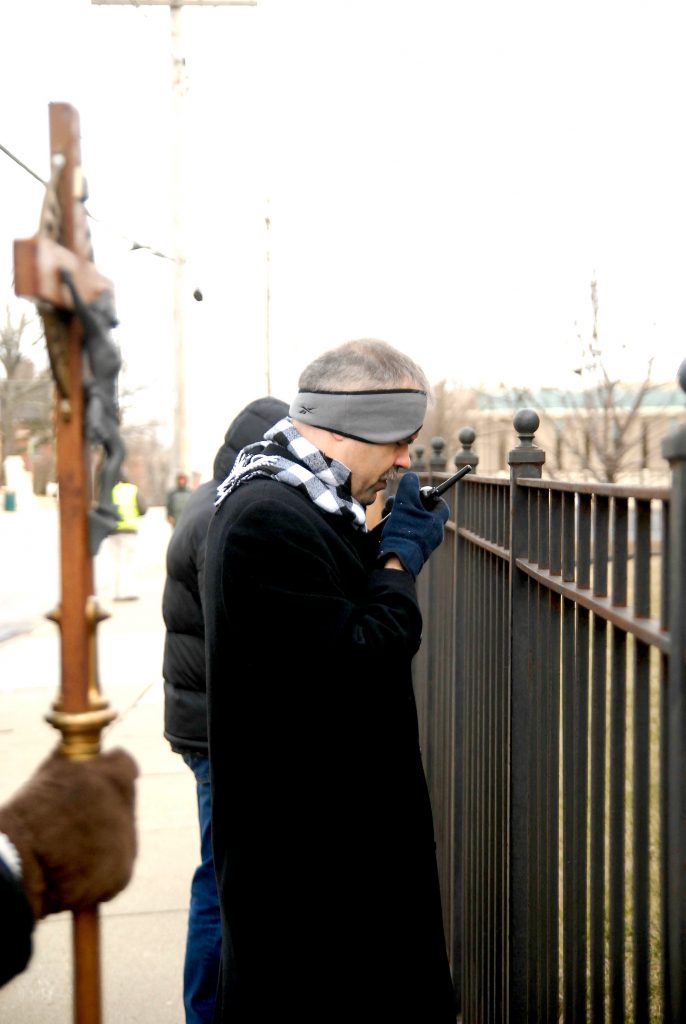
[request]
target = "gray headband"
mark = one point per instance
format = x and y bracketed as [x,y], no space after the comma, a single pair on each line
[378,417]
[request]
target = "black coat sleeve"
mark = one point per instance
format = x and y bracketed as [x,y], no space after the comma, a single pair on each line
[16,926]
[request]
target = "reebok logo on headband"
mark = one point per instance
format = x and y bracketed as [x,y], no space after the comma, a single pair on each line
[385,416]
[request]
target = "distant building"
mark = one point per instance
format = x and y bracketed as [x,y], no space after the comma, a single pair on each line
[586,435]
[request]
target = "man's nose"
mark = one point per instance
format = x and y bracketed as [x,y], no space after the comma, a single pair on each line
[402,459]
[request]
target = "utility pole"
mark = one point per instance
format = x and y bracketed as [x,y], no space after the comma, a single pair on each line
[268,357]
[179,91]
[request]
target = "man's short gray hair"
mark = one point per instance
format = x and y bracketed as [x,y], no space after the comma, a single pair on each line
[361,364]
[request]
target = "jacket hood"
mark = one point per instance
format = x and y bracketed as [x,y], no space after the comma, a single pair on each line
[248,427]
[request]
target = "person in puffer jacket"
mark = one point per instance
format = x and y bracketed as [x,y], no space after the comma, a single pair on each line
[185,700]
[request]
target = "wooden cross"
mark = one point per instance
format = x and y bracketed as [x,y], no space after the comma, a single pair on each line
[80,711]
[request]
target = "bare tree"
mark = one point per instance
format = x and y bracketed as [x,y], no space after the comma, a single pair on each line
[148,460]
[445,417]
[25,393]
[604,434]
[606,429]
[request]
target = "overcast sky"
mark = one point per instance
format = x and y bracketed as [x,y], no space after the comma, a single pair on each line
[446,175]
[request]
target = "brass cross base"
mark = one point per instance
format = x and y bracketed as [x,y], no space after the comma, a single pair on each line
[81,731]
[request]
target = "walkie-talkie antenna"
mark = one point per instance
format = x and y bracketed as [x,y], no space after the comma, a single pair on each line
[431,494]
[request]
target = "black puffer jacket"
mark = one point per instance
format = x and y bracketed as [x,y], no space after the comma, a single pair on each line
[185,701]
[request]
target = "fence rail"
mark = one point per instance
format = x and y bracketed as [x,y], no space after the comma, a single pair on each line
[551,686]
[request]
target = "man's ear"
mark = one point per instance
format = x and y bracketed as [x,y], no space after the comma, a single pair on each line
[338,446]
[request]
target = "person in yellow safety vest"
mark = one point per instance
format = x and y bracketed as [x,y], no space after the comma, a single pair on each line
[130,507]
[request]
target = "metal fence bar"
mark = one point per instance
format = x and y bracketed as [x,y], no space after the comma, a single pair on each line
[537,768]
[461,588]
[467,655]
[598,765]
[444,733]
[551,681]
[554,749]
[553,817]
[447,597]
[537,838]
[618,639]
[482,816]
[664,770]
[502,782]
[641,765]
[674,449]
[580,754]
[471,845]
[490,712]
[538,549]
[570,953]
[548,698]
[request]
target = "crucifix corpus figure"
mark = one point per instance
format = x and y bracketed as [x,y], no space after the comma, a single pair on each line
[55,269]
[102,363]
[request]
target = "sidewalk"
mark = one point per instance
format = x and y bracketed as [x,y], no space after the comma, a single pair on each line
[143,929]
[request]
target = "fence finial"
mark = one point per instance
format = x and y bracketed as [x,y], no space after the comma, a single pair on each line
[674,445]
[466,457]
[527,458]
[437,460]
[416,455]
[681,375]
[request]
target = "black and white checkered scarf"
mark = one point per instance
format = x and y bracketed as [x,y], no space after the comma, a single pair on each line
[287,456]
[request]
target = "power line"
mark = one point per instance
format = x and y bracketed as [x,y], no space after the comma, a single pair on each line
[133,243]
[23,165]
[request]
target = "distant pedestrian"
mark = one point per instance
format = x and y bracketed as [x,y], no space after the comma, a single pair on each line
[130,507]
[177,498]
[185,701]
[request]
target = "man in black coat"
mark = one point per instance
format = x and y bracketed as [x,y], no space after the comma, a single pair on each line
[322,827]
[185,705]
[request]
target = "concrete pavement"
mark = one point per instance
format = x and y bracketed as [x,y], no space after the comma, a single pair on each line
[143,929]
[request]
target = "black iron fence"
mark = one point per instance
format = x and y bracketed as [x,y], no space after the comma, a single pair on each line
[551,686]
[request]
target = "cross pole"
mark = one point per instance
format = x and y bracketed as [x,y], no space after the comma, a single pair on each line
[79,712]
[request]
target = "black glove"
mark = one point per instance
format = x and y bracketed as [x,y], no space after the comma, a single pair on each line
[374,535]
[388,506]
[412,531]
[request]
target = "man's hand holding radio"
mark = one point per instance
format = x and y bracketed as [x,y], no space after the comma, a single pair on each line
[412,530]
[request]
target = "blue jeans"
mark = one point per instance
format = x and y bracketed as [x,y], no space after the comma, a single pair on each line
[204,940]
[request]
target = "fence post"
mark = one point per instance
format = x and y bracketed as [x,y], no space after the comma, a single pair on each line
[465,456]
[674,885]
[417,457]
[525,461]
[437,460]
